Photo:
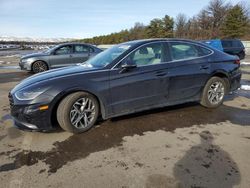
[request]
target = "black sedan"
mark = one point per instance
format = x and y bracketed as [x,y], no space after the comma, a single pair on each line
[124,79]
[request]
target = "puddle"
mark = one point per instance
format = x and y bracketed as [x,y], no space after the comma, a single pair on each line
[110,133]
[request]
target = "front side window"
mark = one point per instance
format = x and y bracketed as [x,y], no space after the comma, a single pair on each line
[146,55]
[81,49]
[63,50]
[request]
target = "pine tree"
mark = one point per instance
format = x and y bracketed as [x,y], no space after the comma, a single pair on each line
[236,23]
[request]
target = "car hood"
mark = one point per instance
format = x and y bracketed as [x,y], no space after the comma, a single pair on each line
[52,74]
[38,54]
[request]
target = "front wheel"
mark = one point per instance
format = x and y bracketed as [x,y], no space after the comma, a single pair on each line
[78,112]
[214,92]
[39,66]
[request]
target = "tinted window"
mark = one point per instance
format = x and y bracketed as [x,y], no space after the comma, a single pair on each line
[237,43]
[183,51]
[63,50]
[227,43]
[146,55]
[81,49]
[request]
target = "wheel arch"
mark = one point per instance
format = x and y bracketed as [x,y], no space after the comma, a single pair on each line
[62,95]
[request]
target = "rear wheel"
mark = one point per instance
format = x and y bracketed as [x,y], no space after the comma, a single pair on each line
[78,112]
[214,92]
[39,66]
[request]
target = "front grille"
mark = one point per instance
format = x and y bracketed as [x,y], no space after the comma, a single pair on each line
[11,100]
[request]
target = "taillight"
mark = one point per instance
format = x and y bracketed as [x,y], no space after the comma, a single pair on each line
[237,62]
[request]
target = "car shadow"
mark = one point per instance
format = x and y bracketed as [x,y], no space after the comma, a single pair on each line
[207,165]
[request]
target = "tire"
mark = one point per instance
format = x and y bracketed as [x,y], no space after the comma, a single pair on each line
[72,114]
[39,66]
[210,94]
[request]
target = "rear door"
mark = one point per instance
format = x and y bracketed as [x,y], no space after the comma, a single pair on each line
[188,71]
[81,53]
[61,56]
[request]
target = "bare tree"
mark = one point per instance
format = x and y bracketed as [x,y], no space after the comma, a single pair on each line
[181,26]
[217,10]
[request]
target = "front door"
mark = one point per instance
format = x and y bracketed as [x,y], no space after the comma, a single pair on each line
[142,85]
[62,56]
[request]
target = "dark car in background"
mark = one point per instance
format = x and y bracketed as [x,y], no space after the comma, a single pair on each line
[230,46]
[234,47]
[127,78]
[59,56]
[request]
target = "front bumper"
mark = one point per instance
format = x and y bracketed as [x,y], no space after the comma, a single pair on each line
[30,117]
[24,66]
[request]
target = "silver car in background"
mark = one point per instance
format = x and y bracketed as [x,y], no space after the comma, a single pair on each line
[59,56]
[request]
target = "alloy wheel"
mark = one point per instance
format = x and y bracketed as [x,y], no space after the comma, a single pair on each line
[82,113]
[216,92]
[39,67]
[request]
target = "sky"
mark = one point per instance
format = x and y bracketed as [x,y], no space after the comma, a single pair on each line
[85,18]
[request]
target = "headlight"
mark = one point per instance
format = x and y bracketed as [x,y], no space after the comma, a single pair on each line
[29,94]
[26,60]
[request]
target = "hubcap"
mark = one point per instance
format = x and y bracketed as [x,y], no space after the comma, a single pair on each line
[39,67]
[216,93]
[82,113]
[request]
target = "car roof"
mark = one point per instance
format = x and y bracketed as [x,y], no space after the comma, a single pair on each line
[159,39]
[145,41]
[77,43]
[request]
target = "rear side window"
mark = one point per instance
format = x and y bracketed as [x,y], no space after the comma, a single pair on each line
[81,49]
[227,43]
[182,51]
[237,43]
[231,44]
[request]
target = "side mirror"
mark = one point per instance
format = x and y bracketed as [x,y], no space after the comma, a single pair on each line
[127,67]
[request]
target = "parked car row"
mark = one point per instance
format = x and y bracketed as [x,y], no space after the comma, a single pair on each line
[127,78]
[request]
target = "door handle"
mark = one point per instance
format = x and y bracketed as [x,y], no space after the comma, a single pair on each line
[204,67]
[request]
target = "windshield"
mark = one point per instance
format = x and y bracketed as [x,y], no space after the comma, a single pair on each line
[106,57]
[50,49]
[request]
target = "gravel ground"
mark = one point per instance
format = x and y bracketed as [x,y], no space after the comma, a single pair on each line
[180,146]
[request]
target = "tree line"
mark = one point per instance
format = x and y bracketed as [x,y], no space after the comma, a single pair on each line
[217,20]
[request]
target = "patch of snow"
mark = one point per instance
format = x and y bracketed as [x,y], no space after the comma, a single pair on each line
[245,63]
[245,87]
